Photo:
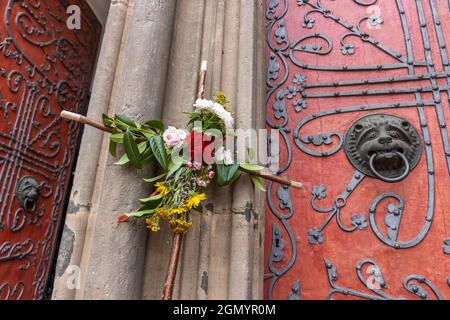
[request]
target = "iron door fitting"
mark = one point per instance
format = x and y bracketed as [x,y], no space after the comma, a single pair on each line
[27,193]
[383,146]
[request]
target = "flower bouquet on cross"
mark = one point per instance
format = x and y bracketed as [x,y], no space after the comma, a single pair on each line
[190,160]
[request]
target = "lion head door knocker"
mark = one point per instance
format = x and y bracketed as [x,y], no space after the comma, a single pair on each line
[383,146]
[27,193]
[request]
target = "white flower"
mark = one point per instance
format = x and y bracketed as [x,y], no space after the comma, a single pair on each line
[204,104]
[173,137]
[224,115]
[218,109]
[225,156]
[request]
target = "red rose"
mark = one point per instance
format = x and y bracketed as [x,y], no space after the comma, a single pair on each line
[198,142]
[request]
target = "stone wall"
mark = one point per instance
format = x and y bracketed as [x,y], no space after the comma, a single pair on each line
[148,68]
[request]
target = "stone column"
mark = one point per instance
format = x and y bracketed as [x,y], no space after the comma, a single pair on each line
[240,281]
[116,258]
[182,77]
[80,202]
[221,202]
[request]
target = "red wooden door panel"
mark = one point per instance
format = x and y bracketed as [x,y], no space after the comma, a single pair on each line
[44,68]
[348,235]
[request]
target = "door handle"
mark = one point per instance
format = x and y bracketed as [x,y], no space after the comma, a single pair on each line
[383,146]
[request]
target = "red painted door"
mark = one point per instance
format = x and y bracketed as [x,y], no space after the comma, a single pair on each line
[44,68]
[359,90]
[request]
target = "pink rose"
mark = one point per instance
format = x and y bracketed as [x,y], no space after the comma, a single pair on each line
[211,174]
[197,165]
[173,137]
[189,165]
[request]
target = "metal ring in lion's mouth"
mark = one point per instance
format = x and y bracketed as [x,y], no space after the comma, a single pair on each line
[387,179]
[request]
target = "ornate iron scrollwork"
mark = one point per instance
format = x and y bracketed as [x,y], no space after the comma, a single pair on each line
[375,282]
[383,146]
[417,85]
[447,246]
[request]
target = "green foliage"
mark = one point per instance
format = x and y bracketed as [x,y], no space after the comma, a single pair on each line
[151,199]
[123,160]
[159,150]
[141,213]
[226,175]
[131,149]
[151,180]
[251,167]
[125,121]
[113,148]
[174,167]
[258,183]
[107,121]
[154,124]
[135,138]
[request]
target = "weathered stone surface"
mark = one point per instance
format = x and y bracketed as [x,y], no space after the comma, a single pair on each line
[180,95]
[84,181]
[66,249]
[116,258]
[241,262]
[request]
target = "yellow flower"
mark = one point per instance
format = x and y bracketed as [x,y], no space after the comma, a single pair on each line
[163,213]
[178,211]
[180,225]
[222,99]
[153,224]
[195,200]
[162,189]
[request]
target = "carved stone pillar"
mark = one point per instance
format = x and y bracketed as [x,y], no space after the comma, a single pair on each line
[80,203]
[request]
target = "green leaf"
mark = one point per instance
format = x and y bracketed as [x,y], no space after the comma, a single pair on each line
[251,153]
[117,137]
[123,161]
[140,214]
[126,120]
[251,167]
[221,175]
[131,149]
[151,199]
[142,146]
[148,135]
[178,174]
[236,176]
[155,178]
[147,156]
[155,124]
[107,121]
[159,150]
[113,148]
[173,168]
[258,183]
[226,174]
